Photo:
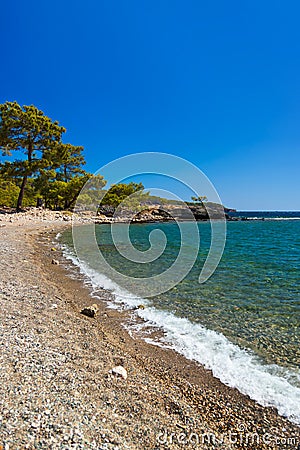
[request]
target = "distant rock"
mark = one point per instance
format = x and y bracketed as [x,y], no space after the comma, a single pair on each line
[119,371]
[162,213]
[90,311]
[106,210]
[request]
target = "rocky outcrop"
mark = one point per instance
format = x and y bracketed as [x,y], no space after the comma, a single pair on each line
[159,213]
[109,214]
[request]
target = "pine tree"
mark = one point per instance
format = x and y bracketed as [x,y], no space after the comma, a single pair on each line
[28,130]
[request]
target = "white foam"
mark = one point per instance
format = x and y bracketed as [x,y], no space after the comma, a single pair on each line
[96,279]
[234,366]
[282,218]
[269,385]
[268,218]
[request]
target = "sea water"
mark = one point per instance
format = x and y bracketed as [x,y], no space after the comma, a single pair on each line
[243,323]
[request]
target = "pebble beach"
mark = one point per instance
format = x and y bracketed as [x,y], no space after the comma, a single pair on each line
[70,381]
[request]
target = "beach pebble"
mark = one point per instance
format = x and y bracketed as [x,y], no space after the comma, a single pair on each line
[119,371]
[90,311]
[54,261]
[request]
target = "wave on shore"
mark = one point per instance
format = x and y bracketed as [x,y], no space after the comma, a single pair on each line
[268,384]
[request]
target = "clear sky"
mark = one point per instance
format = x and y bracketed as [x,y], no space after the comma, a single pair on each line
[216,82]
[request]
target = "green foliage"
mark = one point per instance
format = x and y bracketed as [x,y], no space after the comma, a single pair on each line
[27,130]
[125,195]
[51,169]
[69,160]
[9,192]
[92,194]
[199,200]
[72,190]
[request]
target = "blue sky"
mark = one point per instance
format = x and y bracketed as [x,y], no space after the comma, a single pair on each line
[217,83]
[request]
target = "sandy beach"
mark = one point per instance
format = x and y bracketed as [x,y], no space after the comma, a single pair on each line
[57,389]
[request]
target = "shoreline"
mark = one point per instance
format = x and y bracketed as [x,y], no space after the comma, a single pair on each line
[163,391]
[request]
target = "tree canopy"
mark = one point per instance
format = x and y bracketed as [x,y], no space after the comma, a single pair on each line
[129,195]
[46,167]
[27,130]
[199,200]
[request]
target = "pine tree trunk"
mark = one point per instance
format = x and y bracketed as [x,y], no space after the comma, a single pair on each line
[25,178]
[21,193]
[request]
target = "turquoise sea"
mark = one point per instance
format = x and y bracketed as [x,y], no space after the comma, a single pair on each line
[243,323]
